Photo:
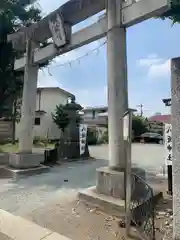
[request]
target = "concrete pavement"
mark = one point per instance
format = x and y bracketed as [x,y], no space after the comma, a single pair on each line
[17,228]
[147,156]
[4,237]
[23,196]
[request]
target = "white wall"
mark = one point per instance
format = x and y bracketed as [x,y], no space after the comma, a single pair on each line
[49,99]
[89,114]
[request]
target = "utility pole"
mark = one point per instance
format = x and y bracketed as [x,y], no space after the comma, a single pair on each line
[141,109]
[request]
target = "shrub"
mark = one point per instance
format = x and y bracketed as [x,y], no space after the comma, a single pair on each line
[139,126]
[36,140]
[1,150]
[92,138]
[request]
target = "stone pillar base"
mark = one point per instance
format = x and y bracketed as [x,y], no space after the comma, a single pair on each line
[25,160]
[111,183]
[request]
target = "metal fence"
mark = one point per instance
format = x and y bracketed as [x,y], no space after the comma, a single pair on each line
[142,208]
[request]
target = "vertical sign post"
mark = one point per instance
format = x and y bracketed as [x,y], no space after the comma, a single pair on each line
[168,154]
[128,139]
[82,138]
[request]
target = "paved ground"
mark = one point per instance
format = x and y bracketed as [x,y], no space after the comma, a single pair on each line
[148,156]
[71,218]
[76,220]
[27,194]
[4,237]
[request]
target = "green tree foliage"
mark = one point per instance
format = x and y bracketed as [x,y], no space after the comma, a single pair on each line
[13,15]
[92,137]
[174,13]
[139,125]
[60,117]
[64,114]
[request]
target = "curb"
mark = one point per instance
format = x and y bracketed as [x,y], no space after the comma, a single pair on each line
[18,228]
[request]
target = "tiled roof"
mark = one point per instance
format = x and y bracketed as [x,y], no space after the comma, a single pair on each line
[160,118]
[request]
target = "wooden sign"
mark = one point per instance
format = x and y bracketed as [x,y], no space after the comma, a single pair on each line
[58,31]
[126,127]
[82,138]
[168,144]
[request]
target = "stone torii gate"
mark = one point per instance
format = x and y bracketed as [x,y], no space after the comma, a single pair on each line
[120,14]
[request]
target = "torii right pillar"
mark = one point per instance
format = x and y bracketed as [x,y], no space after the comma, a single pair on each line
[117,84]
[175,120]
[110,180]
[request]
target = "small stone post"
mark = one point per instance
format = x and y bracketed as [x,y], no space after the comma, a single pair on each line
[175,110]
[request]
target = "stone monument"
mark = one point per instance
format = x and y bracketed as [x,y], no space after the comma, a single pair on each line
[71,146]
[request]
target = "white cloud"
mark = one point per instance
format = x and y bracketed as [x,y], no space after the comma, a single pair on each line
[157,67]
[91,96]
[149,61]
[45,80]
[160,70]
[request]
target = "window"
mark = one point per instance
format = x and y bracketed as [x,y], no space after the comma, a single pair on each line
[37,121]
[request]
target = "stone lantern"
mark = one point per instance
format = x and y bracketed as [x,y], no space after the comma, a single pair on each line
[73,144]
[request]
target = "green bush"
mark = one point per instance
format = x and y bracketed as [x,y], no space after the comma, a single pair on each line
[92,138]
[1,150]
[36,140]
[139,126]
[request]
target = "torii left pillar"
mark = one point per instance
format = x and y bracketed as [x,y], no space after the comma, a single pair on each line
[25,158]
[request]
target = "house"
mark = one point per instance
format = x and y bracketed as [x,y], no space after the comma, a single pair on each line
[156,122]
[91,116]
[159,118]
[97,115]
[46,101]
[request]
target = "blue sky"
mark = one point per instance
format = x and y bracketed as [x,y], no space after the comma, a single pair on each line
[150,46]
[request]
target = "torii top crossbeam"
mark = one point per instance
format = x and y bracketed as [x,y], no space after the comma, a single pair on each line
[72,12]
[75,11]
